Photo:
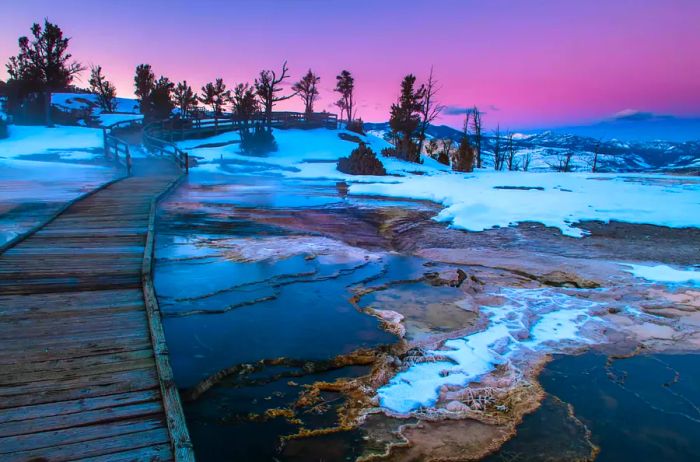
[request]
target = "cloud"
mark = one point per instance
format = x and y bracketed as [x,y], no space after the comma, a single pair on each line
[453,110]
[633,115]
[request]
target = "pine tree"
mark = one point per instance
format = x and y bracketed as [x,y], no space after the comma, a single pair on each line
[161,99]
[405,118]
[345,85]
[216,96]
[105,91]
[245,103]
[144,83]
[43,65]
[307,89]
[185,99]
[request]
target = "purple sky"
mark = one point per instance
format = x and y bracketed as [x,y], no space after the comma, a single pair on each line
[527,64]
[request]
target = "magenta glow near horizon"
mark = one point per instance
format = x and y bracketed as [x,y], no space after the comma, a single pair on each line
[525,63]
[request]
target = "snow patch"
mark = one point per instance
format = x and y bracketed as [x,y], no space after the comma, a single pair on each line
[558,319]
[664,273]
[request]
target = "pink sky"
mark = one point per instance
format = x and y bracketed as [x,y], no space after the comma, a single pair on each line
[527,64]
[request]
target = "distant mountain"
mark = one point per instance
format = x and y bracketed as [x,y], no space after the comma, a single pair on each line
[546,149]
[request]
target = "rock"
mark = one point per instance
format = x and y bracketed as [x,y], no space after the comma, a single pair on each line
[456,406]
[564,279]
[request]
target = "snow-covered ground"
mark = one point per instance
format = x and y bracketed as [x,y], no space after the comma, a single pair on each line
[67,142]
[69,101]
[481,200]
[665,274]
[30,191]
[126,109]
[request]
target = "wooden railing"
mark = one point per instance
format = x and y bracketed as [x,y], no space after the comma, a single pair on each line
[161,136]
[116,149]
[153,140]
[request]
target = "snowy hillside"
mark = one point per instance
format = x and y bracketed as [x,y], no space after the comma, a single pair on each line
[547,148]
[127,109]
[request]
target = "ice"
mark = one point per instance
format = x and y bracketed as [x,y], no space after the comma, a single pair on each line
[664,273]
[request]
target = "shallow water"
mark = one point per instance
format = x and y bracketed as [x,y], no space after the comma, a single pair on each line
[229,300]
[644,408]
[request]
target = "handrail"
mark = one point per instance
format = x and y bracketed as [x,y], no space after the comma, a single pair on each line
[161,136]
[116,149]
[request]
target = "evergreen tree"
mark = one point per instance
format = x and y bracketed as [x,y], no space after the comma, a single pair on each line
[144,83]
[185,99]
[43,65]
[307,89]
[405,118]
[345,85]
[161,99]
[245,103]
[155,96]
[463,158]
[105,91]
[267,86]
[216,96]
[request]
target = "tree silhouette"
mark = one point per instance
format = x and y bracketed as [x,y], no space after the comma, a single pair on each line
[345,85]
[43,65]
[105,91]
[267,87]
[185,99]
[216,96]
[307,89]
[405,118]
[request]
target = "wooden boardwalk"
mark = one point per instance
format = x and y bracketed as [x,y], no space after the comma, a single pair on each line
[82,375]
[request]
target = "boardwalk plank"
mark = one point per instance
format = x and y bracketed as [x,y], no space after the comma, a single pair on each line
[78,376]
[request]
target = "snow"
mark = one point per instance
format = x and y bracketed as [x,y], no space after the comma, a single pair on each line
[110,119]
[69,101]
[66,141]
[477,202]
[664,273]
[559,318]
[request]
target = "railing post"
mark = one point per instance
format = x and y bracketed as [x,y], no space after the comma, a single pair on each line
[104,142]
[187,163]
[128,161]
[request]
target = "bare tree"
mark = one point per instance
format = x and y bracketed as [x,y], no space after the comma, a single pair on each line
[498,155]
[307,89]
[563,161]
[267,86]
[526,158]
[476,126]
[596,152]
[510,152]
[430,108]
